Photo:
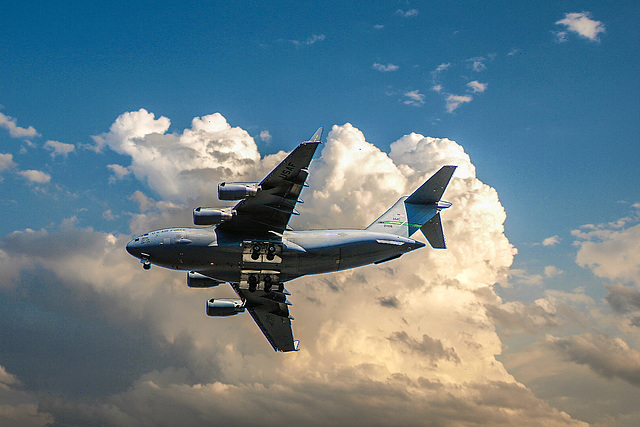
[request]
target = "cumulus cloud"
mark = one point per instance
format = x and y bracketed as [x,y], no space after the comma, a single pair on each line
[6,162]
[265,136]
[389,344]
[385,68]
[552,271]
[477,87]
[623,299]
[454,101]
[59,148]
[611,251]
[119,172]
[581,24]
[551,241]
[182,166]
[414,98]
[36,176]
[478,63]
[610,357]
[16,131]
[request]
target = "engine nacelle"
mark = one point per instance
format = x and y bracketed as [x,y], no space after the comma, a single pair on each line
[210,216]
[224,307]
[237,190]
[197,280]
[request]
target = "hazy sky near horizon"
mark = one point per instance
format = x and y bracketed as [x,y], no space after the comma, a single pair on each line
[119,118]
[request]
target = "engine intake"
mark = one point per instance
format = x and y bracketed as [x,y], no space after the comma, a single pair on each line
[197,280]
[237,190]
[224,307]
[210,216]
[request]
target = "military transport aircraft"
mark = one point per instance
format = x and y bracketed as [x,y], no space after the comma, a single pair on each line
[251,247]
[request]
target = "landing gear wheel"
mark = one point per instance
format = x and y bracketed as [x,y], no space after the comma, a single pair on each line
[146,266]
[281,287]
[253,283]
[267,284]
[255,252]
[271,252]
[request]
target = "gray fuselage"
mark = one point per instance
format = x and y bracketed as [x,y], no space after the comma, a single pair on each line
[219,254]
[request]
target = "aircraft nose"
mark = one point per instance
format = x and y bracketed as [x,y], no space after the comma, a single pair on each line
[133,247]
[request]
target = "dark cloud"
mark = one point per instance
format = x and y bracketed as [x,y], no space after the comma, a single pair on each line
[429,347]
[72,341]
[391,302]
[609,357]
[623,299]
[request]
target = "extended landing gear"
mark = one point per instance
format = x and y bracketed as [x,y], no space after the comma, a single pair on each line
[253,283]
[271,252]
[255,252]
[260,267]
[268,284]
[145,263]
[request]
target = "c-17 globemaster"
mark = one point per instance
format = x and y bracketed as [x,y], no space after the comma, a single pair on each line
[251,247]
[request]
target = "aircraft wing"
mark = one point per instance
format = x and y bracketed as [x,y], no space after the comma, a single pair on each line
[271,208]
[271,313]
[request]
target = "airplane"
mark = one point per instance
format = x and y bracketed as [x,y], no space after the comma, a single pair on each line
[251,247]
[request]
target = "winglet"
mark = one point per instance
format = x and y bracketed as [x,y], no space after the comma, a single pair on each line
[316,136]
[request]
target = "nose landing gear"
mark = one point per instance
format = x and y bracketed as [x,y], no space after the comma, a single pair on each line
[144,260]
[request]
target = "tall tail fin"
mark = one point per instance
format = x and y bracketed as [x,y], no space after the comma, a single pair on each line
[420,210]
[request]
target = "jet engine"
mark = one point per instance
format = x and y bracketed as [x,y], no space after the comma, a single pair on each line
[224,307]
[210,216]
[197,280]
[237,190]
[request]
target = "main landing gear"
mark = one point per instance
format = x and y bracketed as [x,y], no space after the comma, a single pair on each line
[268,283]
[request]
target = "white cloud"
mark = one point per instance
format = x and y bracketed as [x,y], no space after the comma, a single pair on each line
[119,172]
[415,98]
[385,68]
[611,251]
[552,271]
[6,161]
[551,241]
[477,87]
[265,136]
[407,340]
[313,39]
[183,165]
[35,176]
[437,88]
[408,13]
[582,24]
[59,148]
[378,27]
[16,131]
[108,215]
[454,101]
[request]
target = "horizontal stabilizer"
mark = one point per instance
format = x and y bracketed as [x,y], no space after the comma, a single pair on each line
[432,230]
[419,211]
[431,191]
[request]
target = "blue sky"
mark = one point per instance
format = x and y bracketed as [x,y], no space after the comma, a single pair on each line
[541,96]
